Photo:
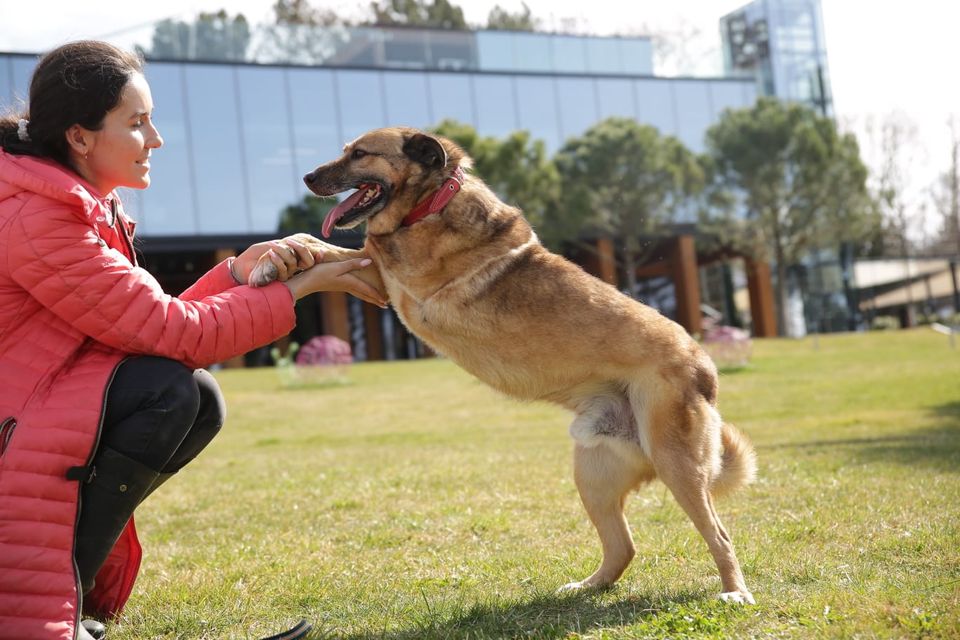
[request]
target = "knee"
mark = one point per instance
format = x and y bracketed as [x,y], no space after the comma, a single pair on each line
[212,410]
[180,394]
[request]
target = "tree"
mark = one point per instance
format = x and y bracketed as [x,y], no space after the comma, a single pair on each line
[300,33]
[306,215]
[500,18]
[516,168]
[213,36]
[792,181]
[627,180]
[438,13]
[897,142]
[946,197]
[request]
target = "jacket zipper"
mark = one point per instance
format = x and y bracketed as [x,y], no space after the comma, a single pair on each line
[6,433]
[76,518]
[123,232]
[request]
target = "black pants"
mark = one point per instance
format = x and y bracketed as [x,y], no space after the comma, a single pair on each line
[161,413]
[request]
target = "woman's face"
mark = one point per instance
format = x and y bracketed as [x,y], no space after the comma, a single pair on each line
[118,155]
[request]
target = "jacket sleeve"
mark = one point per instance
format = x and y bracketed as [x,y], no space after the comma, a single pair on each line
[59,260]
[217,280]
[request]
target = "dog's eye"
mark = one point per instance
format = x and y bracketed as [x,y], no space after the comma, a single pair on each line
[357,154]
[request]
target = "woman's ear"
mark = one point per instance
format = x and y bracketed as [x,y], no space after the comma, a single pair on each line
[79,140]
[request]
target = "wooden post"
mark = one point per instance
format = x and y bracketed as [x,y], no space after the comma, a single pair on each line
[374,331]
[336,319]
[686,282]
[606,261]
[762,309]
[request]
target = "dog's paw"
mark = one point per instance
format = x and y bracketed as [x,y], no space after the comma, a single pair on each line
[738,597]
[571,587]
[263,274]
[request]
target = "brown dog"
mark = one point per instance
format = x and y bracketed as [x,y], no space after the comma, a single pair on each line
[467,275]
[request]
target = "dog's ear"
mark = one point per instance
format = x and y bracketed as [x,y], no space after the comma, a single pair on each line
[426,150]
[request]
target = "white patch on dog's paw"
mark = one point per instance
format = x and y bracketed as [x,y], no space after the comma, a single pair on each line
[738,597]
[263,274]
[571,587]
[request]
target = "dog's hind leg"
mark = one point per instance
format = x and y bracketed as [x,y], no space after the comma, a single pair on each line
[686,467]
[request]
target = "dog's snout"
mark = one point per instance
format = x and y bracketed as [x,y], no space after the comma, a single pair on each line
[310,178]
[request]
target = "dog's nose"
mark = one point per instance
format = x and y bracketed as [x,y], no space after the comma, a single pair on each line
[310,178]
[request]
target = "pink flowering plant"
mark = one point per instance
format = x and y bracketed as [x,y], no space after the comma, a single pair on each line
[729,347]
[322,360]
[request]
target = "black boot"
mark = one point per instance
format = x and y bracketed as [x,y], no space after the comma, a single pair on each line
[161,478]
[93,629]
[107,501]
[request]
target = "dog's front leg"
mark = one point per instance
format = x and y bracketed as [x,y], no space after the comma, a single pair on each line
[266,272]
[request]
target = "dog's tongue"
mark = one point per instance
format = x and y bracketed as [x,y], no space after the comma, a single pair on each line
[341,209]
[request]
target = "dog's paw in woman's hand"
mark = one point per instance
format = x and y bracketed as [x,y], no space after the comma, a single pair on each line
[263,274]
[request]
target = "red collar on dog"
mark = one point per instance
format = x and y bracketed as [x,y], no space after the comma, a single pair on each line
[436,202]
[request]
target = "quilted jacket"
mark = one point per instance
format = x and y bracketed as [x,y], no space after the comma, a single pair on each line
[73,304]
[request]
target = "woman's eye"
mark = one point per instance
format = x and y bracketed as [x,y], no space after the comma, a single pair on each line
[358,153]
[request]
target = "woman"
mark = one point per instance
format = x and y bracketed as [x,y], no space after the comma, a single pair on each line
[102,392]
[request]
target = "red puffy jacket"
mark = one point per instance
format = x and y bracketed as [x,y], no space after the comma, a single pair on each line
[73,304]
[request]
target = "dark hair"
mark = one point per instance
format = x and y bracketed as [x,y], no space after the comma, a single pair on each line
[77,83]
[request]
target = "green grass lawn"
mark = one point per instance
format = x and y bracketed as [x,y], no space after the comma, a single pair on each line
[414,502]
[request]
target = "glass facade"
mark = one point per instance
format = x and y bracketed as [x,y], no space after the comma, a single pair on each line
[780,43]
[238,137]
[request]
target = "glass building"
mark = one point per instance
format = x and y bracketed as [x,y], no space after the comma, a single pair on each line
[780,44]
[242,130]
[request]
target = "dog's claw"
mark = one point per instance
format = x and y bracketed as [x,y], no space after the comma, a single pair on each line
[738,597]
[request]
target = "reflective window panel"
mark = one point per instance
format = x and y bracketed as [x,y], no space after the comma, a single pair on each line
[222,192]
[268,140]
[451,98]
[361,101]
[168,207]
[315,120]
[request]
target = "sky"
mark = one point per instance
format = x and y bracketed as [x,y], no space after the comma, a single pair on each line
[885,57]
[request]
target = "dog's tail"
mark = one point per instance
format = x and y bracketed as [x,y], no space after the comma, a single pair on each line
[738,463]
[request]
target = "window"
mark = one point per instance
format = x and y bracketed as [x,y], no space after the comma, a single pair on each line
[316,127]
[569,54]
[407,103]
[577,98]
[221,190]
[616,98]
[6,84]
[22,71]
[267,137]
[360,98]
[694,112]
[451,98]
[637,56]
[496,106]
[495,51]
[603,55]
[532,52]
[451,50]
[726,95]
[168,207]
[538,110]
[655,105]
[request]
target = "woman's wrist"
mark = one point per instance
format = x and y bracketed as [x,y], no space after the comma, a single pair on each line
[233,273]
[294,284]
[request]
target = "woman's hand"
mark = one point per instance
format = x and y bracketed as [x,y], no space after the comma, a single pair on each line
[335,276]
[284,257]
